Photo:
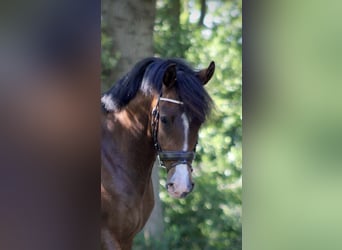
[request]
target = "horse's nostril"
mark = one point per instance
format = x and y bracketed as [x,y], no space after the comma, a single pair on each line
[184,194]
[168,185]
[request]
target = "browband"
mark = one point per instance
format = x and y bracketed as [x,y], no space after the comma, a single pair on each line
[170,100]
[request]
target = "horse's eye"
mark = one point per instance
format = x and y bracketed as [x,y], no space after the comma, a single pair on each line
[163,119]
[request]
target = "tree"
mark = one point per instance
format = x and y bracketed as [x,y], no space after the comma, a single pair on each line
[129,27]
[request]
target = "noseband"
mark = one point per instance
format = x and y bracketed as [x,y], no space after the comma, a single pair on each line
[179,157]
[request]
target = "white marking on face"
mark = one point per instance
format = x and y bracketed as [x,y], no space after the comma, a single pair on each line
[186,131]
[180,180]
[108,102]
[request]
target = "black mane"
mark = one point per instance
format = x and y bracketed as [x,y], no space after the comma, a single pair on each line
[147,76]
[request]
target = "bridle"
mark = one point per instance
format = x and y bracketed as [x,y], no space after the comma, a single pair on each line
[179,157]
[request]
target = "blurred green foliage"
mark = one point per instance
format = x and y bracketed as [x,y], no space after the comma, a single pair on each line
[293,142]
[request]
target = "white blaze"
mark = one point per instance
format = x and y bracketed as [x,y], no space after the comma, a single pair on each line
[186,131]
[181,178]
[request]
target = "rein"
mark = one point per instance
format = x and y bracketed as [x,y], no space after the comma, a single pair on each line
[180,157]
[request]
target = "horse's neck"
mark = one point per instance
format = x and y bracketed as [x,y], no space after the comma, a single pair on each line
[128,132]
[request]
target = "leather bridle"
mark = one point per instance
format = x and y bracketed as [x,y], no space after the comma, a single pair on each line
[178,157]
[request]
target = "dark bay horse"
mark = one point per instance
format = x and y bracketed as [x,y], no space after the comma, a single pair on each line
[156,109]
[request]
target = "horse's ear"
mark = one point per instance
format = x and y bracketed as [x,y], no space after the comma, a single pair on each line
[170,75]
[205,74]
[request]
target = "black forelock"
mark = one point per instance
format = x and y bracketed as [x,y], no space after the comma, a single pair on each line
[147,76]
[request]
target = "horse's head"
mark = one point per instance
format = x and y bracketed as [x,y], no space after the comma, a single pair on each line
[175,125]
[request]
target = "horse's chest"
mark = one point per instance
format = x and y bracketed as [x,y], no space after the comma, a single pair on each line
[127,215]
[142,213]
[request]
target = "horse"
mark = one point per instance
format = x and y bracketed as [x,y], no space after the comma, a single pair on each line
[156,109]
